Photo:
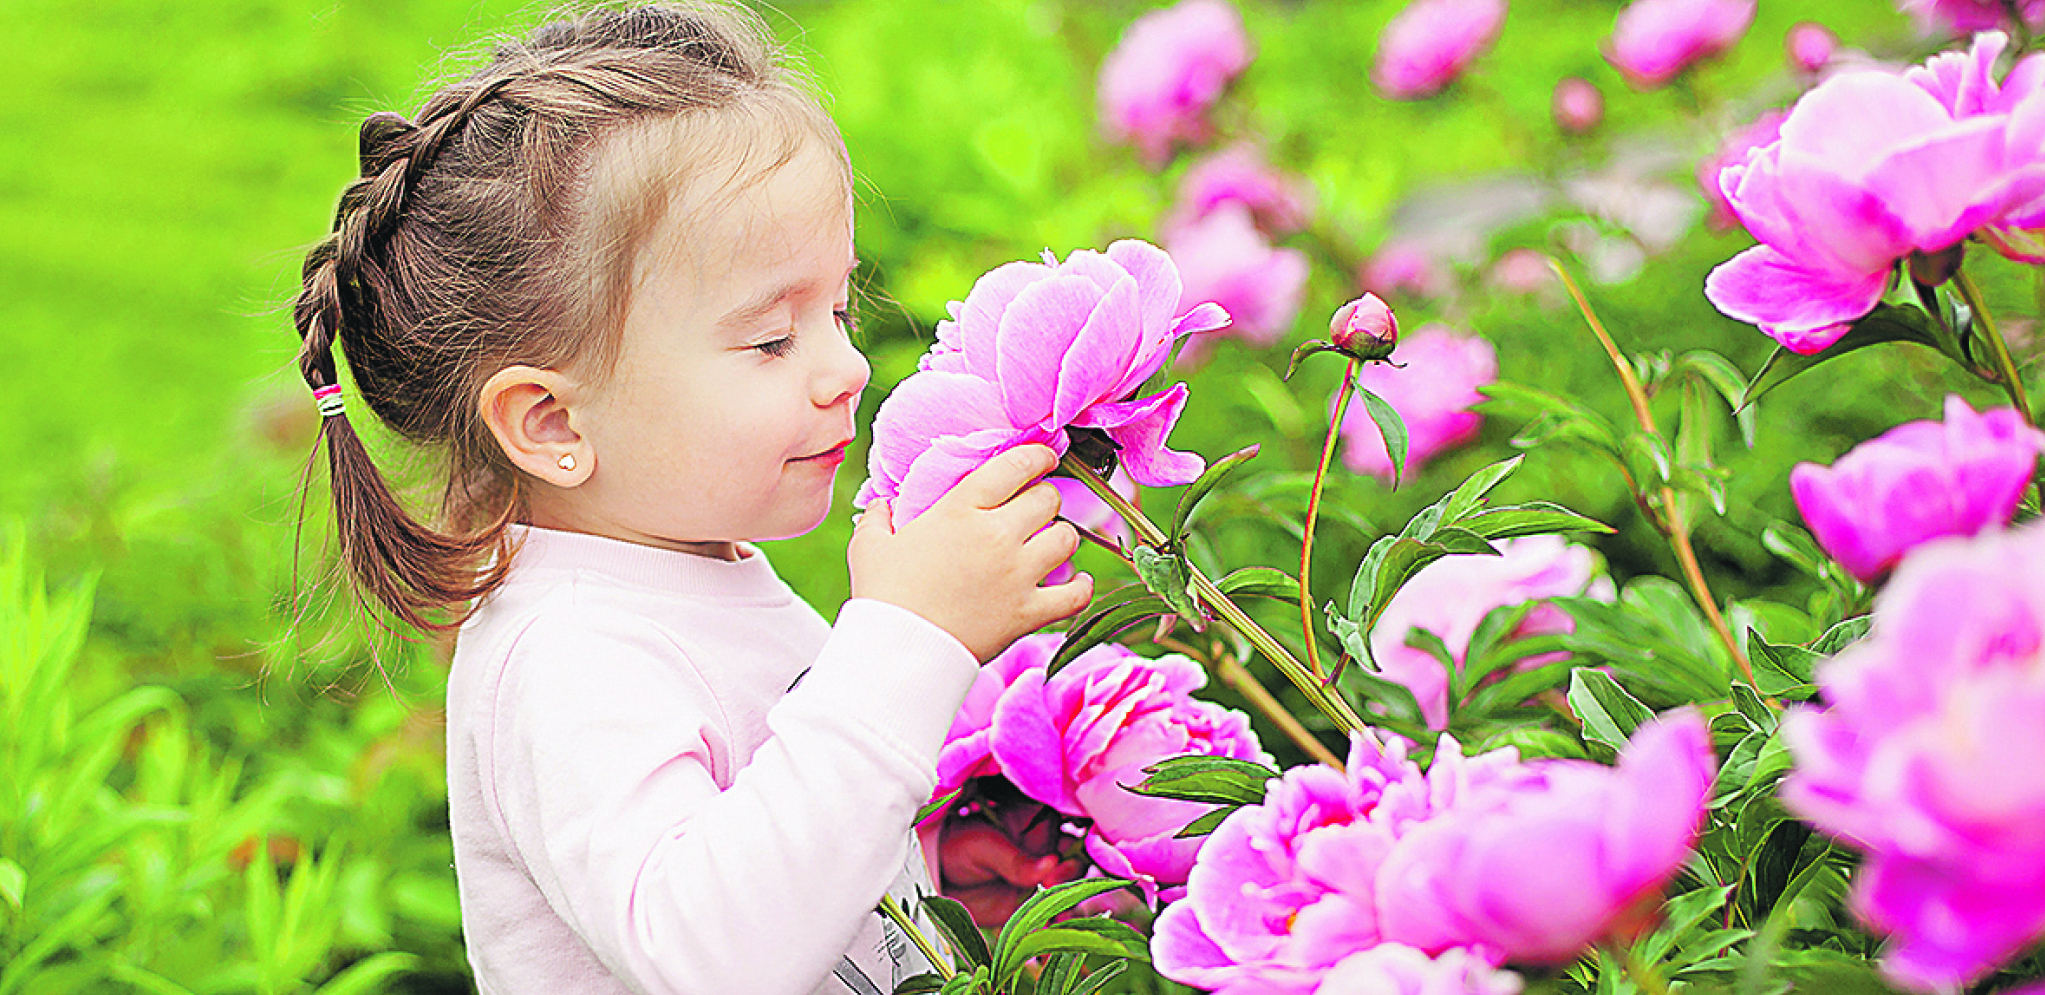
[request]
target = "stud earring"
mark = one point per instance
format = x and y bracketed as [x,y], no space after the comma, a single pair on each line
[567,462]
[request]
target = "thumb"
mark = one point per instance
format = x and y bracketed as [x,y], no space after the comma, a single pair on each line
[877,519]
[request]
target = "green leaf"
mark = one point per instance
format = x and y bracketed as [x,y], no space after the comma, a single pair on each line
[1170,577]
[1103,625]
[926,983]
[1207,823]
[1781,671]
[1724,377]
[964,983]
[1047,904]
[1260,582]
[1648,456]
[1209,479]
[1681,915]
[1608,712]
[1470,496]
[1216,780]
[1391,426]
[960,934]
[1100,977]
[370,974]
[1533,741]
[1843,635]
[935,807]
[1535,518]
[1307,348]
[1091,935]
[13,882]
[1886,323]
[1749,704]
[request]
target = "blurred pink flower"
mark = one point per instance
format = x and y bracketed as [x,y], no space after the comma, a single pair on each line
[1397,969]
[1653,40]
[1965,17]
[1810,46]
[1450,596]
[1433,393]
[1578,105]
[1279,203]
[1430,43]
[1403,269]
[1930,757]
[1035,350]
[1763,131]
[1608,838]
[1870,168]
[1917,482]
[1171,65]
[1075,740]
[1522,271]
[1364,324]
[1226,261]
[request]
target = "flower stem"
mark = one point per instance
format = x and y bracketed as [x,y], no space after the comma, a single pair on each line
[1644,974]
[890,908]
[1326,699]
[1306,543]
[1237,676]
[1671,525]
[2005,365]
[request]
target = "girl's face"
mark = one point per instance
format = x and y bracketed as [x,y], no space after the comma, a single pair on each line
[731,404]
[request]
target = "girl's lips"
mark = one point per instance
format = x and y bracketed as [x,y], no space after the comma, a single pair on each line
[831,455]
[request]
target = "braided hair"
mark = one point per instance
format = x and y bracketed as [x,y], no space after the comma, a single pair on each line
[498,228]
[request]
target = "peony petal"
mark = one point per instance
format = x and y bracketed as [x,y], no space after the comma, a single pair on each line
[979,318]
[1092,366]
[1805,310]
[1944,184]
[925,406]
[1023,724]
[1140,428]
[948,460]
[1035,333]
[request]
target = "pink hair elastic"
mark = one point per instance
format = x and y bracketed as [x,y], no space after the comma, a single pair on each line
[329,400]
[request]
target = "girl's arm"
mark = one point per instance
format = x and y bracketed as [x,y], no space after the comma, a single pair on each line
[607,741]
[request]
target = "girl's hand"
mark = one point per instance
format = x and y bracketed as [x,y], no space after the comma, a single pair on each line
[973,563]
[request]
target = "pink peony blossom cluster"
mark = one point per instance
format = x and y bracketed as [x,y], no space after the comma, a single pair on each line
[1035,351]
[1653,40]
[1871,168]
[1450,596]
[1231,205]
[1577,105]
[1404,268]
[1917,482]
[1430,43]
[1432,391]
[1288,895]
[1169,68]
[1076,739]
[1810,46]
[1279,204]
[1929,757]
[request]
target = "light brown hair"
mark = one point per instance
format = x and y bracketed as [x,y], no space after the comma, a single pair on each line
[500,228]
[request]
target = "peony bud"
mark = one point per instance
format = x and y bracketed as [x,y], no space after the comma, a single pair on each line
[1578,105]
[1365,325]
[1810,46]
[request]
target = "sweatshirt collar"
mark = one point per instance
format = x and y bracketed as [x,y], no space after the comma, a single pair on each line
[749,578]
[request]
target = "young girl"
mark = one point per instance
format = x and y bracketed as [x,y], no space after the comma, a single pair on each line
[606,277]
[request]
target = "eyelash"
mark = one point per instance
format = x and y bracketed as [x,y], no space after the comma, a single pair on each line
[786,344]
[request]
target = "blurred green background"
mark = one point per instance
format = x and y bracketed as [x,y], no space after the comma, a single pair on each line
[165,165]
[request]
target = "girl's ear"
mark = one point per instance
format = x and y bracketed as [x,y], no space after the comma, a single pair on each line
[528,412]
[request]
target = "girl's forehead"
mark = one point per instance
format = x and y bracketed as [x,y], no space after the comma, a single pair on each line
[787,214]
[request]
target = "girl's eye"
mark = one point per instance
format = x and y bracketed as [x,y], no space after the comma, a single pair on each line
[777,347]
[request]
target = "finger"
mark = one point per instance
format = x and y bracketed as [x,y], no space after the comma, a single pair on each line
[877,518]
[1031,510]
[1043,552]
[1060,601]
[992,483]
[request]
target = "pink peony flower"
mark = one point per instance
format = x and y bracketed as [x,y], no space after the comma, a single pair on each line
[1450,596]
[1930,758]
[1653,40]
[1964,17]
[968,750]
[1763,131]
[1038,349]
[1169,68]
[1402,268]
[1870,168]
[1608,838]
[1433,393]
[1279,203]
[1917,482]
[1522,271]
[1226,261]
[1397,969]
[1810,46]
[1578,105]
[1430,43]
[1336,866]
[1076,740]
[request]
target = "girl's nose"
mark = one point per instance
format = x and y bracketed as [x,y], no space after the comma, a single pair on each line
[843,374]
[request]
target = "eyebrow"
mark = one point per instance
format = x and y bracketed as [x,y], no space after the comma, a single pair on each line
[768,301]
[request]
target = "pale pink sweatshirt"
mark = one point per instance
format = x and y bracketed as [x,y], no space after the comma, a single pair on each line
[667,774]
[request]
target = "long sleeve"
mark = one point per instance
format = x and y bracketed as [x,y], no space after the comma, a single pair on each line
[609,745]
